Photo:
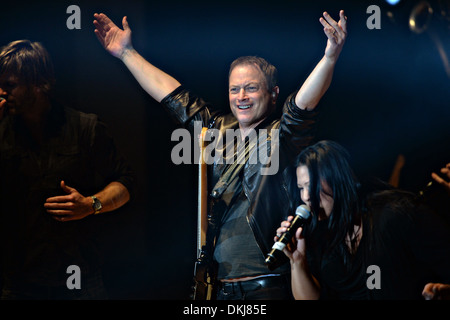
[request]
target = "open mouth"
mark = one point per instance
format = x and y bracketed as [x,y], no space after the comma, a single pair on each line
[244,107]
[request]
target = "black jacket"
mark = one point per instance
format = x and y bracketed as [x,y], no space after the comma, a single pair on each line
[270,195]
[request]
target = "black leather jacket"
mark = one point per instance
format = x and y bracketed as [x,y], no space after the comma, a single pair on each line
[271,197]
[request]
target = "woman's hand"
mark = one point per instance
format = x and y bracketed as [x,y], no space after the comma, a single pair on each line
[295,250]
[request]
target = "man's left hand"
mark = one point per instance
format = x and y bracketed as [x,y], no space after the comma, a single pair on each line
[336,33]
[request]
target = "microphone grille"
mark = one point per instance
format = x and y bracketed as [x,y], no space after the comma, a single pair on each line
[303,211]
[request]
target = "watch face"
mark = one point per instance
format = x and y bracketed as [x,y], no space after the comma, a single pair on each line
[97,204]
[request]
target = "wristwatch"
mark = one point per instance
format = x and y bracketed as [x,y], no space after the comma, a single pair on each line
[96,204]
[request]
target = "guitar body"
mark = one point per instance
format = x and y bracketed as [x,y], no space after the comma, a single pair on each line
[203,279]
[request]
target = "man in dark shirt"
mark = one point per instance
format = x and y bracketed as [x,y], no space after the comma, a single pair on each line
[58,168]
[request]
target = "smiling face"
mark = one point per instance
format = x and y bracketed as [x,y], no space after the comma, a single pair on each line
[250,99]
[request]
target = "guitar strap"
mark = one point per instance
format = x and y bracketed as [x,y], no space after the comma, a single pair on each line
[232,170]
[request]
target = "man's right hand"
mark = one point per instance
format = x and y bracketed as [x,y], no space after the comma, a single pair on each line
[115,40]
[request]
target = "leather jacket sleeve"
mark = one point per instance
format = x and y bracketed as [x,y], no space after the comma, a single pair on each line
[184,107]
[297,127]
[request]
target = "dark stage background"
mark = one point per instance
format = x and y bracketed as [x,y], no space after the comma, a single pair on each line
[389,96]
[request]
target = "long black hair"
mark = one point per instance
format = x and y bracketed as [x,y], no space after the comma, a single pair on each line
[327,161]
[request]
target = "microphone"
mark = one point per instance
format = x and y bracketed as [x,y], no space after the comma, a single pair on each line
[302,215]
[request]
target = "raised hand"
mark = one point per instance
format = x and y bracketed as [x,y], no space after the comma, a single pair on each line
[336,33]
[115,40]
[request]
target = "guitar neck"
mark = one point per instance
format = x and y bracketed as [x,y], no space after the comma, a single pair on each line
[202,222]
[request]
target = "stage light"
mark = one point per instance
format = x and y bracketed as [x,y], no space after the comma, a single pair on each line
[393,2]
[420,17]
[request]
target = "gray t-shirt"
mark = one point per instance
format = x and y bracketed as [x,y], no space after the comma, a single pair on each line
[237,252]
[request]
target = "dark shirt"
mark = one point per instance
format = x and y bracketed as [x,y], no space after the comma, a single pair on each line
[35,248]
[237,252]
[404,239]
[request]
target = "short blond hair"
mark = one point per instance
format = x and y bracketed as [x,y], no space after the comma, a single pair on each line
[269,70]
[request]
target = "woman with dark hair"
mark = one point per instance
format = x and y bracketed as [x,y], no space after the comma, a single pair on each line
[363,243]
